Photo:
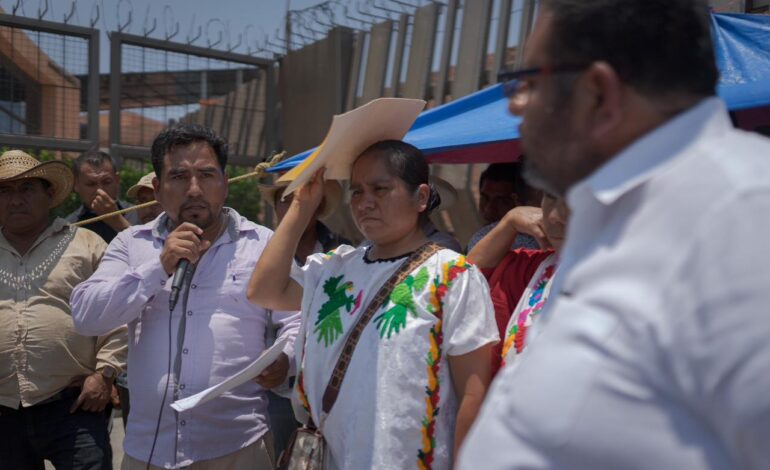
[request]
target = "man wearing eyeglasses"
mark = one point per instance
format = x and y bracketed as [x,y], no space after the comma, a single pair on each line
[653,352]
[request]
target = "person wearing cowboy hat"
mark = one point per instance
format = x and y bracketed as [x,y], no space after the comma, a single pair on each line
[317,238]
[55,384]
[143,192]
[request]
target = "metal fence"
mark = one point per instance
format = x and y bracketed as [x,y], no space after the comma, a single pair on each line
[53,96]
[160,83]
[434,51]
[49,88]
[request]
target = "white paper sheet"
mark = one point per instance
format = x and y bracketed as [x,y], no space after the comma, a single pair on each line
[250,372]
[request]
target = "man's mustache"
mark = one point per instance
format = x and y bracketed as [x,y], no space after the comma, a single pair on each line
[189,203]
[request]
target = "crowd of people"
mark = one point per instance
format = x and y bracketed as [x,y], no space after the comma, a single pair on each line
[611,316]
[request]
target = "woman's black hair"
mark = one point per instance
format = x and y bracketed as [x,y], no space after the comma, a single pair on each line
[408,163]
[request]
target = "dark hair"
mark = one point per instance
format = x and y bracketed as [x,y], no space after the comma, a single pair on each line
[655,46]
[508,172]
[763,130]
[408,163]
[94,158]
[182,135]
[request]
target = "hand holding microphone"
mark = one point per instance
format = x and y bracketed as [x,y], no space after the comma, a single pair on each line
[183,246]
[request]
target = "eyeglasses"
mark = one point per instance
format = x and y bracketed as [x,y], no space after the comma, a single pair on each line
[514,84]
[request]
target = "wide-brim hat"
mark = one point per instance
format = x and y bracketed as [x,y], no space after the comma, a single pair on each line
[17,165]
[332,195]
[144,182]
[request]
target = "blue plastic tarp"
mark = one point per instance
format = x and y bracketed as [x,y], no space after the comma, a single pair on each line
[742,45]
[479,128]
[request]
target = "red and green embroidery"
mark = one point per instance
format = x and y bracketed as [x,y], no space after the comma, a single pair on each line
[450,271]
[301,391]
[518,332]
[392,320]
[328,325]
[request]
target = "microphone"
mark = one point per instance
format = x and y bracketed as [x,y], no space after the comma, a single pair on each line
[180,275]
[176,285]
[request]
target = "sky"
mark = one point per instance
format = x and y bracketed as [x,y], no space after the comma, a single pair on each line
[232,16]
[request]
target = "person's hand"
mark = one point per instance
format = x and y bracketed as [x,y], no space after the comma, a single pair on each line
[94,395]
[183,243]
[528,220]
[309,196]
[275,373]
[115,398]
[103,203]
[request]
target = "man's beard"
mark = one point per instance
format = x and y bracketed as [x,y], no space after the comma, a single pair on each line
[203,221]
[535,179]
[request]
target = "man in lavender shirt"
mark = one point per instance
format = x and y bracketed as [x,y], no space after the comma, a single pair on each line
[212,333]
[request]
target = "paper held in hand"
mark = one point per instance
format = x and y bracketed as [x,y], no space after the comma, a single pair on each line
[250,372]
[351,133]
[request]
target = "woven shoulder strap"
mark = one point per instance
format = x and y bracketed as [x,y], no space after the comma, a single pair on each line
[413,262]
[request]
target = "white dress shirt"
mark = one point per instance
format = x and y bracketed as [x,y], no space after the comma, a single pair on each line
[655,353]
[215,332]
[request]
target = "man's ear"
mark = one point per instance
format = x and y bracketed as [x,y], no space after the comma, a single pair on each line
[156,188]
[603,96]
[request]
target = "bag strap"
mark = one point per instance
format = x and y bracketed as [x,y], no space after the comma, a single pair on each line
[413,262]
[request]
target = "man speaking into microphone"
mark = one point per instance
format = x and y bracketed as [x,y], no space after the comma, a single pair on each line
[179,282]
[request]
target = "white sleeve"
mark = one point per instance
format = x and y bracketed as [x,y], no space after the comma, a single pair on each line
[469,319]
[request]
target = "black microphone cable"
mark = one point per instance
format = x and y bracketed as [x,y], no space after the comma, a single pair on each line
[165,390]
[180,277]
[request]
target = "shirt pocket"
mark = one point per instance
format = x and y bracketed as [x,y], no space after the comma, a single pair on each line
[234,284]
[550,381]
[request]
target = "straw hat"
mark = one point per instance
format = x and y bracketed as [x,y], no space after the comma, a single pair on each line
[332,195]
[144,182]
[17,165]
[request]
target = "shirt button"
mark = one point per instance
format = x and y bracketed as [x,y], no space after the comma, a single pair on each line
[183,422]
[162,283]
[185,351]
[189,313]
[181,387]
[194,286]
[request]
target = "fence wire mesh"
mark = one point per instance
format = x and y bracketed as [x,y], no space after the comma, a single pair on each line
[159,88]
[43,84]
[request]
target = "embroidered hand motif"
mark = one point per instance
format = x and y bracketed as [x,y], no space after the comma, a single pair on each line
[402,297]
[328,325]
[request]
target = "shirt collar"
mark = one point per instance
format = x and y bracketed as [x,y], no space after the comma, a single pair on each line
[649,154]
